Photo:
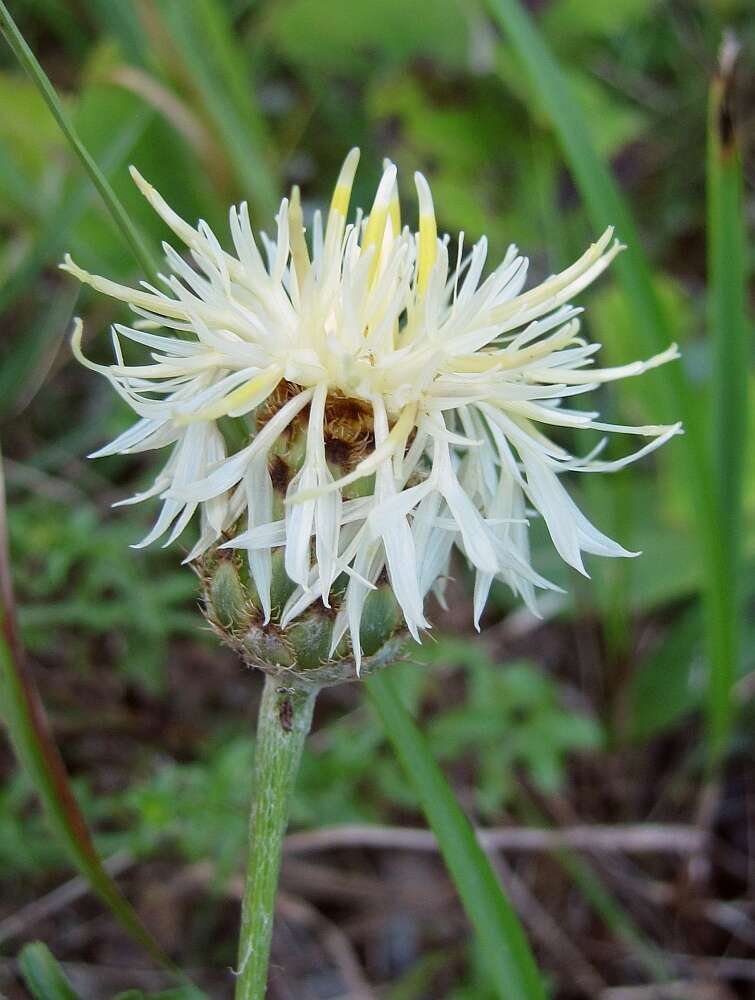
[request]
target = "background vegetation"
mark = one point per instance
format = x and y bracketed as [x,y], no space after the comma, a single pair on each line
[627,706]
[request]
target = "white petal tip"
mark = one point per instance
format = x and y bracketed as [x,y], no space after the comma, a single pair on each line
[144,186]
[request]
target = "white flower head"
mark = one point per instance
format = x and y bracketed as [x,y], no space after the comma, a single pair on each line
[422,395]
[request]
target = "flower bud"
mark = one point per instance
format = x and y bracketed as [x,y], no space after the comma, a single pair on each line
[304,647]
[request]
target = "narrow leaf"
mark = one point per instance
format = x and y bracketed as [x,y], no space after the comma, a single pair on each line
[43,975]
[204,39]
[28,364]
[503,941]
[729,339]
[591,886]
[121,20]
[53,236]
[606,205]
[604,903]
[29,731]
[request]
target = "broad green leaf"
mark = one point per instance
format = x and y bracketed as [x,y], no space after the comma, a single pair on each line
[27,131]
[668,683]
[121,20]
[503,941]
[204,39]
[17,193]
[462,147]
[53,238]
[31,65]
[351,36]
[570,21]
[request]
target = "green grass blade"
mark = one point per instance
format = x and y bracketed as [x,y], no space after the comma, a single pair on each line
[604,903]
[16,187]
[674,398]
[30,735]
[729,340]
[604,202]
[503,941]
[44,978]
[623,927]
[214,65]
[53,236]
[31,64]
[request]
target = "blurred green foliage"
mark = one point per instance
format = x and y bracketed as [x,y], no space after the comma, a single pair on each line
[78,581]
[511,722]
[218,101]
[45,979]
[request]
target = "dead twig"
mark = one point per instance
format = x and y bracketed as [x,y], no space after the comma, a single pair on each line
[546,930]
[59,898]
[636,839]
[334,941]
[669,991]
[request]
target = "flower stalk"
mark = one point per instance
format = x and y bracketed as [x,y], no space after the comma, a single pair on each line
[285,717]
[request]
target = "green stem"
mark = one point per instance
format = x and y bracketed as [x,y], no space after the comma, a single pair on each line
[284,719]
[32,66]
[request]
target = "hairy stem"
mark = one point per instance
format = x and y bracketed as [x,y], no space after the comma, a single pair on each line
[284,719]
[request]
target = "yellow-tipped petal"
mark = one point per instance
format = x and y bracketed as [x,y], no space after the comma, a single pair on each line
[241,400]
[299,252]
[375,229]
[339,205]
[394,207]
[428,233]
[394,214]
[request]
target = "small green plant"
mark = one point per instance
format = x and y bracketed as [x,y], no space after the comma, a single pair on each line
[77,580]
[511,720]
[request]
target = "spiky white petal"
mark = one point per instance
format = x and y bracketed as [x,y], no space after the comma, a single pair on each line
[463,376]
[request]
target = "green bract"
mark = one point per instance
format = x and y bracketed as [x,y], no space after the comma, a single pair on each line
[302,651]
